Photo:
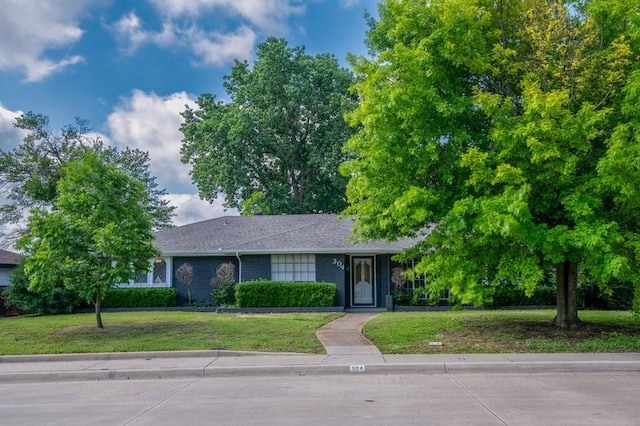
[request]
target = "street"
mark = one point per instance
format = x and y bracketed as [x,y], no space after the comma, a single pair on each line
[579,398]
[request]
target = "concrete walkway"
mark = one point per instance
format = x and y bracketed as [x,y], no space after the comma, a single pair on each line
[344,342]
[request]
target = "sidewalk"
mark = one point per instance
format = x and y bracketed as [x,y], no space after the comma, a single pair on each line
[348,352]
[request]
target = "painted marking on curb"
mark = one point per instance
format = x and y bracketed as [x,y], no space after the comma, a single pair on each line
[356,368]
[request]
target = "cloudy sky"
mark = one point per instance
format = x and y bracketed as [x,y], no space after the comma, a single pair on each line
[131,67]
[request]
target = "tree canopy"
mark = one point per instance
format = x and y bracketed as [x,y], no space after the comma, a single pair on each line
[508,129]
[29,174]
[97,234]
[277,144]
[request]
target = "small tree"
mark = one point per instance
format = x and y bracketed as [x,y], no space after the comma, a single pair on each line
[97,234]
[184,274]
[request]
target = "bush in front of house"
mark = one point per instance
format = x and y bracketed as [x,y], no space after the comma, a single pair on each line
[140,297]
[509,294]
[284,294]
[50,301]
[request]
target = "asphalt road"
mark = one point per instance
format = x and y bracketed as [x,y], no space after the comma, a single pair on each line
[492,398]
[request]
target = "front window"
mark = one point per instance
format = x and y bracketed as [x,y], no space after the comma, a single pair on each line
[157,276]
[159,271]
[141,278]
[293,267]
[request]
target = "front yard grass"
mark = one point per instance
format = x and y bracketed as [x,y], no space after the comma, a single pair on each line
[501,332]
[162,331]
[392,332]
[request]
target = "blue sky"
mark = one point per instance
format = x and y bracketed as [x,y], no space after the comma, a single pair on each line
[131,67]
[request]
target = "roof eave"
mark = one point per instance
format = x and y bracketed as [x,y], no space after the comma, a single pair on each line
[232,252]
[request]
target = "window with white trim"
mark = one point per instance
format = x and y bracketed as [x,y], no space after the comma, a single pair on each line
[157,276]
[293,267]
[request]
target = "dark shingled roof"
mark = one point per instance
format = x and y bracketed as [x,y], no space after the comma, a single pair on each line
[311,233]
[8,258]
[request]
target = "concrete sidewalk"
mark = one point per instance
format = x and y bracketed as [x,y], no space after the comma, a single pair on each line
[348,352]
[149,365]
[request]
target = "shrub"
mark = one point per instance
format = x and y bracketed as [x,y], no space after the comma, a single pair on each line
[507,293]
[55,300]
[140,297]
[272,294]
[224,295]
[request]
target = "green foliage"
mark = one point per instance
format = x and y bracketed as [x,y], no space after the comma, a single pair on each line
[140,297]
[30,173]
[276,146]
[510,130]
[269,294]
[224,295]
[97,235]
[509,294]
[52,300]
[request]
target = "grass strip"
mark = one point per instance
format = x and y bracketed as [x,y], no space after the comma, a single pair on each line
[501,332]
[162,331]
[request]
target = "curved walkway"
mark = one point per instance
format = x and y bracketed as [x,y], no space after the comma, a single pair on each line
[344,342]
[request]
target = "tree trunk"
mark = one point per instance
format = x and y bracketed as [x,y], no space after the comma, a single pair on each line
[567,295]
[96,303]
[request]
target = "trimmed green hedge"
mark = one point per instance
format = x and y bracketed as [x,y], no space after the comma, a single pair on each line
[279,294]
[140,297]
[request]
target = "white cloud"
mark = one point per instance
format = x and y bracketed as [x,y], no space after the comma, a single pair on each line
[190,208]
[30,30]
[152,123]
[223,48]
[214,31]
[268,15]
[10,136]
[130,28]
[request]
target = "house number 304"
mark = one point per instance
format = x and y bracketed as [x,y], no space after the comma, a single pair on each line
[338,263]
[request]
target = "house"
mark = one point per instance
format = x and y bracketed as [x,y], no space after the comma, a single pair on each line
[8,262]
[311,247]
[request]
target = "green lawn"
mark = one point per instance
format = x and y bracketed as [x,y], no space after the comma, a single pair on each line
[501,332]
[392,332]
[162,331]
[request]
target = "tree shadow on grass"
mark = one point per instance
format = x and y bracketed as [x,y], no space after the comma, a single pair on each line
[537,336]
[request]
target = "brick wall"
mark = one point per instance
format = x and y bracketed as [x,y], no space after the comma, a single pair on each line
[331,268]
[256,267]
[204,269]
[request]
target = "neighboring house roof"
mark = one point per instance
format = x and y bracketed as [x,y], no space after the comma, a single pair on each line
[8,258]
[230,235]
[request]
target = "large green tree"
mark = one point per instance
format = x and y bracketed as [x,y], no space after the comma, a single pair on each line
[29,173]
[507,129]
[276,145]
[97,234]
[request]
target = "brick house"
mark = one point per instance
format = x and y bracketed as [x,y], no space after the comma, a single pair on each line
[313,247]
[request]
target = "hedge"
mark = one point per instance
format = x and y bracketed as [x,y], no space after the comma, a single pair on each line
[284,294]
[140,297]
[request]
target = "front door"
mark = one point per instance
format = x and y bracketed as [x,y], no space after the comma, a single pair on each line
[363,281]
